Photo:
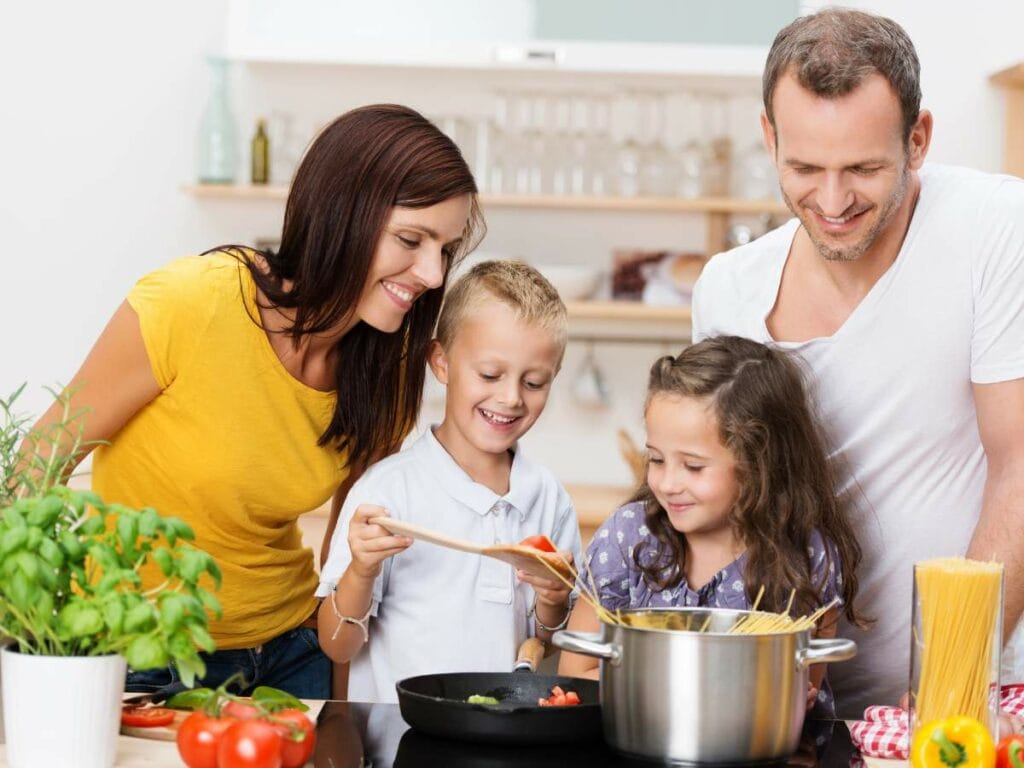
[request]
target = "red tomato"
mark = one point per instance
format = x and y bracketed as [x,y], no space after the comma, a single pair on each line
[298,737]
[146,717]
[543,543]
[240,710]
[199,738]
[560,698]
[250,744]
[1010,753]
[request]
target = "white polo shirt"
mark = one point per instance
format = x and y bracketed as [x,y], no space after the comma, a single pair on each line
[435,609]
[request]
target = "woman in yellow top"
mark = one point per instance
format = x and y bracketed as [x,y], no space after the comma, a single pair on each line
[239,389]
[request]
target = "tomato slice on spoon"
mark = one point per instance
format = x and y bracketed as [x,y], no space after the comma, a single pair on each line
[543,543]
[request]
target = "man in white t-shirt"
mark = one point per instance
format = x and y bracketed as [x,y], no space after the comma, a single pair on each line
[902,289]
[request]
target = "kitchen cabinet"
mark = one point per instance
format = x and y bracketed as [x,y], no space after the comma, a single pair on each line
[1011,80]
[723,38]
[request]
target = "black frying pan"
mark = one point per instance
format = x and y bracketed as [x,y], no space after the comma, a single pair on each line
[436,704]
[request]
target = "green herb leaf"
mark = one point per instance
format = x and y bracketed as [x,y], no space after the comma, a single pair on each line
[15,538]
[146,652]
[163,559]
[93,526]
[51,553]
[79,619]
[140,619]
[46,512]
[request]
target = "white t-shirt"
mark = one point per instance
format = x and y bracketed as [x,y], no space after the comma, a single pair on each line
[893,390]
[439,610]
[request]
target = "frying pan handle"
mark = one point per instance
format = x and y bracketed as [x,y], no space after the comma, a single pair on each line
[589,644]
[531,654]
[823,650]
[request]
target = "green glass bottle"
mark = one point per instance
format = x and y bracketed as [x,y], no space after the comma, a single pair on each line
[260,154]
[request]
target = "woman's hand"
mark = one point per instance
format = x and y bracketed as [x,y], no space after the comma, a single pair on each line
[371,544]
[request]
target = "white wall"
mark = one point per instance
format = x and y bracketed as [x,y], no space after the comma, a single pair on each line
[959,46]
[99,108]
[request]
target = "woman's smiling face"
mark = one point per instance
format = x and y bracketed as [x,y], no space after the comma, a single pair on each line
[411,258]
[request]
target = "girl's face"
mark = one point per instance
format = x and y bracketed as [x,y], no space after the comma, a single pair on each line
[692,475]
[411,258]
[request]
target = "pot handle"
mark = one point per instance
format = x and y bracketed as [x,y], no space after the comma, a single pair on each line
[589,644]
[824,650]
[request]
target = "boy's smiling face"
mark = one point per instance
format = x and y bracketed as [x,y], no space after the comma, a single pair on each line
[498,370]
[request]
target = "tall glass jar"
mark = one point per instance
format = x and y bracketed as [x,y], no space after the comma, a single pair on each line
[956,638]
[217,145]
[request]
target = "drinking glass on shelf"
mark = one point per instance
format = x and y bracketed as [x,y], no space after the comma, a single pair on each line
[718,156]
[286,146]
[557,146]
[577,149]
[500,175]
[629,155]
[754,175]
[691,155]
[600,147]
[657,170]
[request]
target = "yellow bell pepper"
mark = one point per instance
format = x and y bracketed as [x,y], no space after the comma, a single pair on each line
[956,742]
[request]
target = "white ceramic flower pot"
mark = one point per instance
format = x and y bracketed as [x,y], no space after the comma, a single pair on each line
[61,710]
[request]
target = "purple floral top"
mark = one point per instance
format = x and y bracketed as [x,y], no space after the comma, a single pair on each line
[620,584]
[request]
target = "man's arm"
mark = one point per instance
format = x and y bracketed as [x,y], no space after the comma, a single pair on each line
[999,534]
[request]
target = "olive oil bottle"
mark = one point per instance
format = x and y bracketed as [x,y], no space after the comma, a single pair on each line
[260,154]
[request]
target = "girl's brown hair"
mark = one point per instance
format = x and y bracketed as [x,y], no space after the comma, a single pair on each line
[366,162]
[787,489]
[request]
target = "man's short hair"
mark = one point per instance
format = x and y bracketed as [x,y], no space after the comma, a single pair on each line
[831,52]
[513,283]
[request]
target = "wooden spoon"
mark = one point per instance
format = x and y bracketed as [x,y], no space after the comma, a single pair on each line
[517,555]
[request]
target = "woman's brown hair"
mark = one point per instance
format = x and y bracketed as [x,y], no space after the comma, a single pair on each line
[363,164]
[787,487]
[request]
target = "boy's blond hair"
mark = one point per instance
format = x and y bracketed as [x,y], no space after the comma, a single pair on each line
[517,285]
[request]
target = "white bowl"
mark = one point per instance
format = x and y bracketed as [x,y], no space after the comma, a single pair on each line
[572,281]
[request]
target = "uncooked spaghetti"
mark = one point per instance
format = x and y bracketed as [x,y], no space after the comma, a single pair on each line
[959,606]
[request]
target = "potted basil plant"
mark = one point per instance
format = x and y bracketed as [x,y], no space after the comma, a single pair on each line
[73,612]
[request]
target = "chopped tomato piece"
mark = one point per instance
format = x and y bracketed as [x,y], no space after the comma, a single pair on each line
[146,717]
[543,543]
[560,698]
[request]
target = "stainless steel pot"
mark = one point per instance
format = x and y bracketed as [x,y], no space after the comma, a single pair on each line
[704,697]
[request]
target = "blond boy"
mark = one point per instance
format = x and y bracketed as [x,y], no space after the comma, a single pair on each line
[396,611]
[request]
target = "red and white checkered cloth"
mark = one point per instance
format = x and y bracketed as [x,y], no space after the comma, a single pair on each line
[884,733]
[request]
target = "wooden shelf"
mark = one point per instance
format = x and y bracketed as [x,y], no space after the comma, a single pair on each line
[723,205]
[238,191]
[628,322]
[626,310]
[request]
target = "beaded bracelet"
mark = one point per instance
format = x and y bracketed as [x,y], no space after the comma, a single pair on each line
[363,623]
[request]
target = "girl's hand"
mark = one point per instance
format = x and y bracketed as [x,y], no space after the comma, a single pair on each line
[549,591]
[812,696]
[371,544]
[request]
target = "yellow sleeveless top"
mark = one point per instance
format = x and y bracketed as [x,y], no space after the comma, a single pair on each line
[229,445]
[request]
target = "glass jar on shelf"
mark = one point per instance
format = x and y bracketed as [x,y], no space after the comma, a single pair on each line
[217,148]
